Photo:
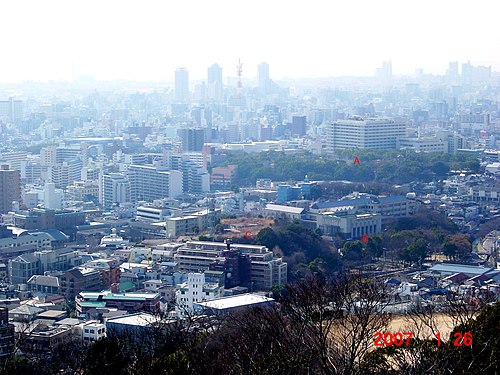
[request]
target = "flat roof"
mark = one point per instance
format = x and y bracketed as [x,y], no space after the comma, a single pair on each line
[114,296]
[238,300]
[280,208]
[140,319]
[51,314]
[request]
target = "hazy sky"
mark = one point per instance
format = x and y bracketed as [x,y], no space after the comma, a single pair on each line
[148,39]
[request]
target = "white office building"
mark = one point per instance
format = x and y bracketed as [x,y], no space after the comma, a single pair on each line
[377,133]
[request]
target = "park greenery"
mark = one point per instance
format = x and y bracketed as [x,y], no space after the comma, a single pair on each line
[388,166]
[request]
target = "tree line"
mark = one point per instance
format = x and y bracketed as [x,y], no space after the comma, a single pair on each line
[387,166]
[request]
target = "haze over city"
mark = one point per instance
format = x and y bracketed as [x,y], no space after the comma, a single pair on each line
[247,187]
[148,41]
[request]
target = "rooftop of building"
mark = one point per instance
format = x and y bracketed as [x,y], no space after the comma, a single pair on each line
[139,319]
[238,300]
[287,209]
[108,295]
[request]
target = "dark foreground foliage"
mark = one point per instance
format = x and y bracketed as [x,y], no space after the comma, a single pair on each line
[319,326]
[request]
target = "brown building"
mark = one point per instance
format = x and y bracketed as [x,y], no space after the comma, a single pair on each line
[223,175]
[10,187]
[79,280]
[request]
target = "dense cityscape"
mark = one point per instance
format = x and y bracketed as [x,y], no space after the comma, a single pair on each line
[244,222]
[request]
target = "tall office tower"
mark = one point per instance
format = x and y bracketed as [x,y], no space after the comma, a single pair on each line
[214,82]
[181,85]
[384,74]
[148,183]
[114,188]
[192,139]
[10,187]
[377,133]
[467,71]
[263,77]
[299,125]
[452,72]
[11,110]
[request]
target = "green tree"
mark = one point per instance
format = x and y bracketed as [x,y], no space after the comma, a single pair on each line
[415,252]
[374,247]
[450,250]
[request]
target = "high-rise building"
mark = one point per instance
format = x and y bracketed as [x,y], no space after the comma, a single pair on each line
[214,82]
[11,110]
[182,85]
[263,78]
[195,177]
[452,72]
[192,139]
[148,183]
[384,74]
[114,189]
[377,133]
[10,187]
[299,125]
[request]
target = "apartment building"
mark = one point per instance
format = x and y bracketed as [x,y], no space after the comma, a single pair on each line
[264,270]
[149,183]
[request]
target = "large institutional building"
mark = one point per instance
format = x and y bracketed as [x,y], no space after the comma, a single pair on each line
[379,134]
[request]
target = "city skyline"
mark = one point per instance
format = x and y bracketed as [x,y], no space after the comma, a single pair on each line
[119,40]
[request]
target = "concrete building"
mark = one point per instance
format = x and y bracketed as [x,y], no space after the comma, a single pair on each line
[115,188]
[232,304]
[195,290]
[284,212]
[181,85]
[193,223]
[263,78]
[131,302]
[14,159]
[11,110]
[424,144]
[10,187]
[373,133]
[261,270]
[195,177]
[214,83]
[192,139]
[80,279]
[43,284]
[23,267]
[65,173]
[149,183]
[93,331]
